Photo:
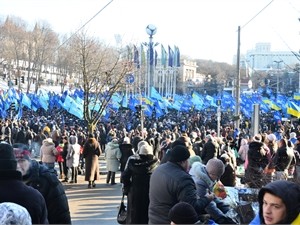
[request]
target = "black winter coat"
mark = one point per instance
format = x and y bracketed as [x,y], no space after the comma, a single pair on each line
[127,151]
[47,183]
[12,189]
[170,184]
[136,178]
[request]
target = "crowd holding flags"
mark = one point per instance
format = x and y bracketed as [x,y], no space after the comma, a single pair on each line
[156,105]
[162,96]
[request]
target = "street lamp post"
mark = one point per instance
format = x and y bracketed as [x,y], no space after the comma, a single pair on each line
[151,30]
[277,86]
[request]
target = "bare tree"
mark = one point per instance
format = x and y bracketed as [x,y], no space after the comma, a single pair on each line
[14,39]
[102,71]
[45,43]
[64,64]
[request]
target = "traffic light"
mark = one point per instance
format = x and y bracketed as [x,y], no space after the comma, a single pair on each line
[138,112]
[22,79]
[13,106]
[16,81]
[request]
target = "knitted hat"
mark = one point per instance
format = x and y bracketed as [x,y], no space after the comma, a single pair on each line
[209,137]
[183,213]
[293,135]
[115,141]
[12,213]
[7,157]
[271,137]
[146,150]
[215,167]
[179,153]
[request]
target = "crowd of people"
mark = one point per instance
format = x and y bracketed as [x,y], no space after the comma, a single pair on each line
[170,160]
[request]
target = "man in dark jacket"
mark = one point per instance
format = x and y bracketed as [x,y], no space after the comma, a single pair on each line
[46,182]
[169,184]
[12,189]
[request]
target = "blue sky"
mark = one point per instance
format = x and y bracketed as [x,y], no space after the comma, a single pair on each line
[203,29]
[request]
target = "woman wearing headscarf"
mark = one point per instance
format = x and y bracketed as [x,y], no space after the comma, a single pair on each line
[279,203]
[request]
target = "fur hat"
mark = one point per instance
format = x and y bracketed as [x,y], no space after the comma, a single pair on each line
[257,138]
[7,157]
[179,153]
[183,213]
[215,166]
[12,213]
[146,150]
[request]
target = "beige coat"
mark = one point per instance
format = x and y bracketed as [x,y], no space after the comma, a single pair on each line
[48,151]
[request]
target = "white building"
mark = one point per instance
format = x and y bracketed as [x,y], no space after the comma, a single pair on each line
[262,58]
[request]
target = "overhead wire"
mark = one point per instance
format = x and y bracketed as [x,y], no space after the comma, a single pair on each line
[93,17]
[257,14]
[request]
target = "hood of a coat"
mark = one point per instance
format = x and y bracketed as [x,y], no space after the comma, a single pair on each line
[141,164]
[289,192]
[199,174]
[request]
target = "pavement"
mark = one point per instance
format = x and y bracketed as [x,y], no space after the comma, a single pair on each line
[97,205]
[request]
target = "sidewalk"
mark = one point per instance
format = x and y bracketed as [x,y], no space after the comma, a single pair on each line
[97,205]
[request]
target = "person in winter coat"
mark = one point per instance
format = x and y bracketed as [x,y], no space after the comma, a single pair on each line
[169,184]
[12,189]
[64,154]
[257,160]
[73,158]
[126,151]
[205,178]
[243,151]
[60,159]
[112,155]
[279,203]
[210,149]
[136,178]
[48,153]
[91,153]
[229,176]
[283,159]
[46,182]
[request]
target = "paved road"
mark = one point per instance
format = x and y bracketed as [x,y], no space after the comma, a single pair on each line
[98,205]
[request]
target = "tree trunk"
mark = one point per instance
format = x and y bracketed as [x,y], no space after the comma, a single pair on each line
[91,127]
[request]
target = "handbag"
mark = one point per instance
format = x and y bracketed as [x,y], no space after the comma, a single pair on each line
[245,212]
[122,214]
